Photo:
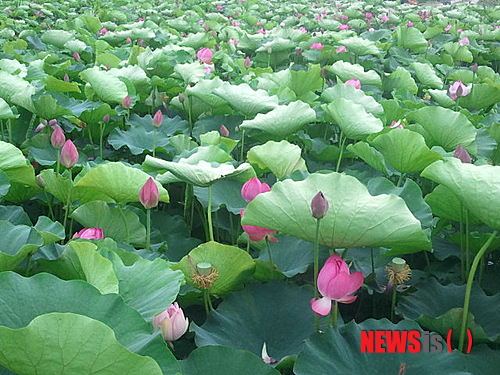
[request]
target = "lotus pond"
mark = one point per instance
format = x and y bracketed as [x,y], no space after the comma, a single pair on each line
[249,187]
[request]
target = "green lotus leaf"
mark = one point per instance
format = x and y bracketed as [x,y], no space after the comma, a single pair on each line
[400,79]
[446,204]
[346,71]
[337,351]
[16,90]
[46,107]
[411,38]
[58,85]
[57,37]
[190,72]
[204,90]
[5,110]
[354,121]
[29,298]
[134,74]
[4,183]
[443,127]
[482,95]
[246,100]
[352,94]
[223,360]
[276,45]
[355,218]
[116,222]
[426,75]
[477,187]
[15,166]
[225,193]
[261,314]
[360,46]
[16,242]
[281,158]
[442,310]
[233,266]
[442,98]
[369,155]
[405,150]
[107,87]
[107,180]
[51,231]
[53,343]
[459,52]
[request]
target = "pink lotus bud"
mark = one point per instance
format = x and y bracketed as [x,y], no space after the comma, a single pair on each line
[53,122]
[140,19]
[141,42]
[205,55]
[319,206]
[207,69]
[464,41]
[76,56]
[384,18]
[459,30]
[127,102]
[341,49]
[356,83]
[247,62]
[410,24]
[344,17]
[299,51]
[457,90]
[66,77]
[262,31]
[257,234]
[69,154]
[149,194]
[106,119]
[224,131]
[172,323]
[344,27]
[234,41]
[368,15]
[303,29]
[474,67]
[252,188]
[40,127]
[220,7]
[335,283]
[57,138]
[103,31]
[447,28]
[201,21]
[90,234]
[462,154]
[317,46]
[157,119]
[129,40]
[396,125]
[265,357]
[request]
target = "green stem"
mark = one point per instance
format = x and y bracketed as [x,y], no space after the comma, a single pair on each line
[400,179]
[468,288]
[209,214]
[58,164]
[248,246]
[462,250]
[101,134]
[188,202]
[335,313]
[393,301]
[206,298]
[148,229]
[2,130]
[316,270]
[49,203]
[68,202]
[341,146]
[9,129]
[242,153]
[373,261]
[190,113]
[269,253]
[154,142]
[467,248]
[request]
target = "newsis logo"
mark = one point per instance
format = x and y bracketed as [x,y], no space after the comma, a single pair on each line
[412,341]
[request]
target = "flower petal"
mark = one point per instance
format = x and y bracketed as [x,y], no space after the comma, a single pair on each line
[321,306]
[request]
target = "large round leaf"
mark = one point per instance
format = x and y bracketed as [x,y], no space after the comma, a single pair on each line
[400,79]
[405,150]
[478,187]
[446,204]
[346,71]
[16,242]
[349,92]
[15,165]
[411,38]
[427,76]
[276,313]
[443,127]
[354,121]
[355,218]
[233,265]
[108,180]
[282,120]
[16,90]
[369,155]
[107,87]
[281,158]
[64,343]
[360,46]
[45,293]
[220,360]
[337,351]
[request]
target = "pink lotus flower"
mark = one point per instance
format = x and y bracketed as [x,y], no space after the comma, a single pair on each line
[252,188]
[90,234]
[344,17]
[447,28]
[319,206]
[371,29]
[103,31]
[57,138]
[384,18]
[205,55]
[127,102]
[66,77]
[318,17]
[356,83]
[464,41]
[457,90]
[257,234]
[262,31]
[247,62]
[129,40]
[157,119]
[396,125]
[462,154]
[341,49]
[368,15]
[317,46]
[344,27]
[335,283]
[224,131]
[76,56]
[201,21]
[220,7]
[303,29]
[459,30]
[410,24]
[236,24]
[69,154]
[148,194]
[141,42]
[234,41]
[172,323]
[140,19]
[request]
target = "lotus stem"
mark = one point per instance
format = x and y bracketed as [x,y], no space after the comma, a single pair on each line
[335,313]
[101,134]
[342,140]
[209,214]
[269,252]
[242,153]
[468,288]
[188,203]
[68,202]
[316,269]
[148,229]
[58,163]
[154,142]
[400,179]
[462,249]
[467,247]
[393,301]
[9,130]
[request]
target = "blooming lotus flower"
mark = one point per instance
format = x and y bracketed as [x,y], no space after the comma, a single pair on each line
[257,234]
[344,27]
[234,41]
[252,188]
[236,24]
[410,24]
[224,131]
[464,41]
[458,89]
[396,125]
[90,234]
[69,154]
[459,30]
[127,102]
[76,56]
[335,283]
[207,69]
[341,49]
[148,194]
[303,29]
[344,17]
[103,31]
[462,154]
[356,83]
[317,46]
[368,15]
[201,21]
[384,18]
[129,40]
[157,119]
[262,30]
[205,55]
[319,206]
[172,323]
[57,138]
[447,28]
[247,62]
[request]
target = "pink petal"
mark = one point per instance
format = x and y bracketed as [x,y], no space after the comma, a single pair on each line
[321,306]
